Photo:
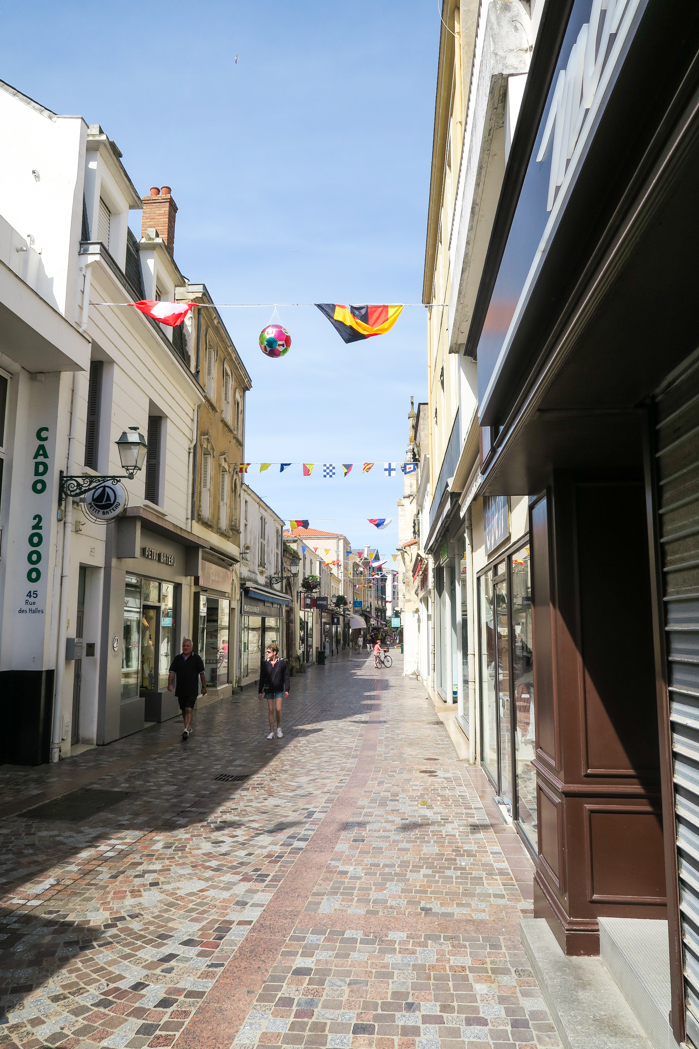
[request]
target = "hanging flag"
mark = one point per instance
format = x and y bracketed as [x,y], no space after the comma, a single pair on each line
[380,522]
[264,466]
[394,556]
[243,468]
[367,467]
[389,469]
[409,468]
[326,552]
[283,467]
[170,313]
[346,468]
[315,549]
[328,470]
[308,469]
[353,323]
[298,524]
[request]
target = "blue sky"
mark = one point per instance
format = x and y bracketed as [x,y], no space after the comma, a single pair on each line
[301,174]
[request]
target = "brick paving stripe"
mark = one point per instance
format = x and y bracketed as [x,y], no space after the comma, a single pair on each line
[356,890]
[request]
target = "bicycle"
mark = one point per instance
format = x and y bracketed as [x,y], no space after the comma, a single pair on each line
[384,661]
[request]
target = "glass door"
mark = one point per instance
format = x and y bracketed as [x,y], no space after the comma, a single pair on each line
[502,641]
[131,644]
[149,635]
[489,715]
[523,690]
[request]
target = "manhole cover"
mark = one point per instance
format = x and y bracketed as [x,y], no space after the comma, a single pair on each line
[225,778]
[78,805]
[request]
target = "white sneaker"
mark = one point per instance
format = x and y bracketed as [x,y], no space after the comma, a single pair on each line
[271,735]
[279,733]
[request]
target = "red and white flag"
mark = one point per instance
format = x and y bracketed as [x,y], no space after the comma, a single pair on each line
[172,313]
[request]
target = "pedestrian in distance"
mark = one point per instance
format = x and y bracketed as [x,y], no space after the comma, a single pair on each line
[185,671]
[274,683]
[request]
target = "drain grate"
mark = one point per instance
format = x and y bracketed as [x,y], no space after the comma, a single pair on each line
[78,805]
[225,778]
[428,772]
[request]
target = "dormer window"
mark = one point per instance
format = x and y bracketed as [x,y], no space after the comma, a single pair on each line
[104,223]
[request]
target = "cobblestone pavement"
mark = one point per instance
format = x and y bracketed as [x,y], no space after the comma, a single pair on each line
[341,887]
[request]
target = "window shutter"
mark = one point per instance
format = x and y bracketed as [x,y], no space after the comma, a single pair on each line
[104,223]
[153,458]
[205,484]
[94,399]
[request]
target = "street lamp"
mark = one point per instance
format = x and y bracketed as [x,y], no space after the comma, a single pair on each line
[132,447]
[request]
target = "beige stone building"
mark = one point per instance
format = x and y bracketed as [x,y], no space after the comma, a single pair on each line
[216,489]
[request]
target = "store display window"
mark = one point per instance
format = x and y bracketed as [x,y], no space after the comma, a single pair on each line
[214,619]
[149,637]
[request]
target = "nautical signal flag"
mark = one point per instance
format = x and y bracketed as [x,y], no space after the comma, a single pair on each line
[409,468]
[380,522]
[367,467]
[389,469]
[243,467]
[308,469]
[328,470]
[284,466]
[353,323]
[170,313]
[264,466]
[298,524]
[346,468]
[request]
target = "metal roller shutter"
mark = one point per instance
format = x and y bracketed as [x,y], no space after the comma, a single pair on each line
[677,451]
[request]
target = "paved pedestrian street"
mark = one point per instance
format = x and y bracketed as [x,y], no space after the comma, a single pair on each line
[350,885]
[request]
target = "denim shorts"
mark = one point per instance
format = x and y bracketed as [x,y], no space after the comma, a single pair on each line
[274,695]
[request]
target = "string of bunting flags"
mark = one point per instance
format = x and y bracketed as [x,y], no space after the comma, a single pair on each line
[331,469]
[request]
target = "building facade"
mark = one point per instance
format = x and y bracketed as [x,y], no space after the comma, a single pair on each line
[583,336]
[263,600]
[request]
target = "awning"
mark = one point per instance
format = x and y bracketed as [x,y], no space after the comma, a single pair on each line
[356,623]
[264,595]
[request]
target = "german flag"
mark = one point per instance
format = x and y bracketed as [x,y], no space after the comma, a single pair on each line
[353,323]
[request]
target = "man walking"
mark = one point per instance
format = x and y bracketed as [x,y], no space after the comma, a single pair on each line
[274,680]
[187,668]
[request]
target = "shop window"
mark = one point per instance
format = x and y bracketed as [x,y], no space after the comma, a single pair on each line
[489,714]
[205,485]
[523,689]
[153,458]
[131,641]
[94,403]
[214,618]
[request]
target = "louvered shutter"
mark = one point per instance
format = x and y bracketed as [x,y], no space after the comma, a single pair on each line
[153,458]
[104,223]
[205,484]
[94,400]
[677,457]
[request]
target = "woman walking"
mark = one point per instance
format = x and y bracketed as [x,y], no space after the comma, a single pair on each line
[274,682]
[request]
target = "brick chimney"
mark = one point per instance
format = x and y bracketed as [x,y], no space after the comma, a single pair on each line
[159,210]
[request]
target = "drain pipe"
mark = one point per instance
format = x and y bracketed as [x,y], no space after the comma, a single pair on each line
[63,586]
[65,557]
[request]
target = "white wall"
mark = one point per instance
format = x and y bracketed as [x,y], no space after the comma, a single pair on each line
[47,208]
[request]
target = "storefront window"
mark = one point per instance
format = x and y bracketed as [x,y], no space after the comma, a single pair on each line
[168,632]
[149,629]
[216,640]
[463,569]
[130,649]
[489,728]
[252,639]
[272,632]
[523,683]
[201,629]
[502,641]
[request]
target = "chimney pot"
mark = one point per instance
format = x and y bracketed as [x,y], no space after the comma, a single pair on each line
[166,191]
[154,191]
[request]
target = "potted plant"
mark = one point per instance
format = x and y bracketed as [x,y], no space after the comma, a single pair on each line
[310,584]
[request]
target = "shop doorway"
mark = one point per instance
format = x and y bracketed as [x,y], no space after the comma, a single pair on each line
[213,639]
[507,686]
[78,664]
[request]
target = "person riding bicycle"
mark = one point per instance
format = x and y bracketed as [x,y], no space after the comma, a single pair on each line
[377,653]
